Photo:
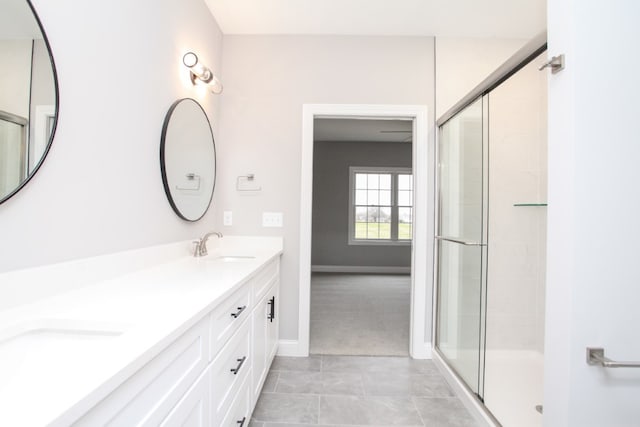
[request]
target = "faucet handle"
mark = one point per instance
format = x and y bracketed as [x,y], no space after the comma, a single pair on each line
[196,248]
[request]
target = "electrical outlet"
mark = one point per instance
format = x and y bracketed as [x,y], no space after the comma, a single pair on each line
[272,219]
[227,218]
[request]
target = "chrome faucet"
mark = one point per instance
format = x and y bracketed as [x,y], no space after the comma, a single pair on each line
[201,244]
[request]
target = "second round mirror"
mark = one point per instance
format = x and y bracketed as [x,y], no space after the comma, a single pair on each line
[188,159]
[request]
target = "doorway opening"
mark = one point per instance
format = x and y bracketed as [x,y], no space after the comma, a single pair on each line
[341,285]
[361,236]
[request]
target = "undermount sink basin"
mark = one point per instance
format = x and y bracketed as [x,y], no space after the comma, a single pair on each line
[234,258]
[53,337]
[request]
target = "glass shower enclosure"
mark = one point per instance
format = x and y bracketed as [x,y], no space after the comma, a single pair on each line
[491,240]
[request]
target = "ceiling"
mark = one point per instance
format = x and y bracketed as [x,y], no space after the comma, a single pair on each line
[362,130]
[454,18]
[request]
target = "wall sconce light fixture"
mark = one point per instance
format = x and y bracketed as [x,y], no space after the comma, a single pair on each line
[201,74]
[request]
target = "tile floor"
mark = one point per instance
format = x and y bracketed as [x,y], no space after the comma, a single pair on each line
[357,391]
[360,314]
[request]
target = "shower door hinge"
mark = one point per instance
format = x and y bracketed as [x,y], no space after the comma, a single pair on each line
[556,63]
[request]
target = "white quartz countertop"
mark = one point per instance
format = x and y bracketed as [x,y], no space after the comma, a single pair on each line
[51,376]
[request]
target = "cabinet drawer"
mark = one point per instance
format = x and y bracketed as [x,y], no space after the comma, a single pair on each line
[229,370]
[264,279]
[194,409]
[228,316]
[149,395]
[240,411]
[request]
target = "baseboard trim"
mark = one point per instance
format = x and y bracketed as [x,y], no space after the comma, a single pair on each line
[422,351]
[374,269]
[290,348]
[475,408]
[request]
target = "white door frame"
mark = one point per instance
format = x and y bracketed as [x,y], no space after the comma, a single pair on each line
[420,345]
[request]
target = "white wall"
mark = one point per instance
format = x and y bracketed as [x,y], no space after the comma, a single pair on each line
[267,80]
[100,189]
[462,63]
[594,205]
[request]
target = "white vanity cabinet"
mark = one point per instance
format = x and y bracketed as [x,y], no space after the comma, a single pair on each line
[212,374]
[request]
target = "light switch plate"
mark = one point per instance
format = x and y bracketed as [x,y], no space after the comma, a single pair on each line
[227,218]
[272,219]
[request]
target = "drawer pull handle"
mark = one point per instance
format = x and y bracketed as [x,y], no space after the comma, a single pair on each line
[239,312]
[241,422]
[272,309]
[237,368]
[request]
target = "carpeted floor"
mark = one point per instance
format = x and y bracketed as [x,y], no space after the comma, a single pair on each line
[360,314]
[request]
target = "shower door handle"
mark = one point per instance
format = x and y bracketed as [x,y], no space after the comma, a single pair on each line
[595,356]
[462,242]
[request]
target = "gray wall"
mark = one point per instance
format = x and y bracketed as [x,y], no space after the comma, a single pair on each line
[331,162]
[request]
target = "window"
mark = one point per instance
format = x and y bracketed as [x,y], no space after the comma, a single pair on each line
[380,205]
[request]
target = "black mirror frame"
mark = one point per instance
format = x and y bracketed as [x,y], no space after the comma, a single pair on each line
[163,171]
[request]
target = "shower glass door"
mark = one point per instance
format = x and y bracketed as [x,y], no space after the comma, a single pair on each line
[461,244]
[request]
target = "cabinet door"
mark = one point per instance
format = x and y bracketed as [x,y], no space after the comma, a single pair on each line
[194,409]
[273,322]
[259,346]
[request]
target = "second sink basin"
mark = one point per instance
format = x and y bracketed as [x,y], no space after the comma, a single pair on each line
[233,258]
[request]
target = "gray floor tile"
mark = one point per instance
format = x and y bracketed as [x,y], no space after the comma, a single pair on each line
[320,383]
[270,382]
[369,364]
[287,408]
[357,410]
[255,424]
[311,363]
[396,384]
[444,412]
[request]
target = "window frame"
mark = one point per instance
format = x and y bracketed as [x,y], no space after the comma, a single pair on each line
[395,171]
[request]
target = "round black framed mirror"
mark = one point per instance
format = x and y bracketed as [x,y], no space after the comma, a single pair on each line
[188,159]
[28,96]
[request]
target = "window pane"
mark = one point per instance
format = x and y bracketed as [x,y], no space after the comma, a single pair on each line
[360,222]
[372,215]
[372,232]
[361,197]
[372,181]
[404,198]
[385,214]
[405,226]
[385,181]
[384,231]
[405,215]
[361,180]
[385,197]
[372,197]
[405,182]
[405,231]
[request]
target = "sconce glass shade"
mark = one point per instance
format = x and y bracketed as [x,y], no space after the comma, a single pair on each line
[201,74]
